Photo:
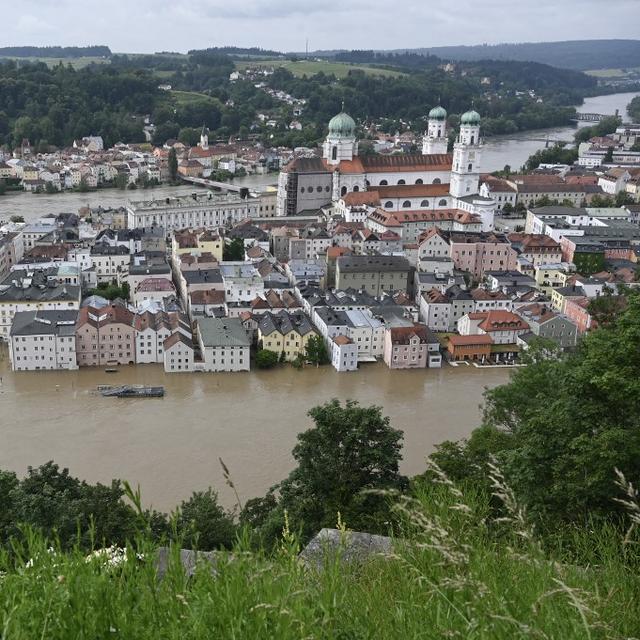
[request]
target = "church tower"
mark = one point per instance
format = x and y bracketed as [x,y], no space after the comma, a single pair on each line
[204,138]
[341,142]
[435,138]
[465,173]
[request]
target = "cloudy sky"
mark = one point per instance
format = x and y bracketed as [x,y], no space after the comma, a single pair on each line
[180,25]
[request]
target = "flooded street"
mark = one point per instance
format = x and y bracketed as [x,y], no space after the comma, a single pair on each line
[171,446]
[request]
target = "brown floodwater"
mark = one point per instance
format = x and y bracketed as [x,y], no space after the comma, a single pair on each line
[171,446]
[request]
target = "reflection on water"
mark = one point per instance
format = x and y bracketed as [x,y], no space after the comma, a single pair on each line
[171,446]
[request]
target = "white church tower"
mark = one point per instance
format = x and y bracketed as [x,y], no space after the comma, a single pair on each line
[435,139]
[204,138]
[341,143]
[465,173]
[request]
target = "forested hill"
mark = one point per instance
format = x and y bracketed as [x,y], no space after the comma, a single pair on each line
[570,54]
[97,51]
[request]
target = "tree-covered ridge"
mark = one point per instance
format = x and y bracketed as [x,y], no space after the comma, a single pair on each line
[570,54]
[95,51]
[55,106]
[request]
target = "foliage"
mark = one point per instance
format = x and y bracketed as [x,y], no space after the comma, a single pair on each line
[316,351]
[633,109]
[203,524]
[111,291]
[61,104]
[458,574]
[570,54]
[266,359]
[557,154]
[349,456]
[604,127]
[173,165]
[94,51]
[563,424]
[233,250]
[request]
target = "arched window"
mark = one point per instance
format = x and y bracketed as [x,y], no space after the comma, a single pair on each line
[442,203]
[406,204]
[473,138]
[343,191]
[334,153]
[437,181]
[419,181]
[424,203]
[319,189]
[383,183]
[388,204]
[367,183]
[356,188]
[401,182]
[470,167]
[302,189]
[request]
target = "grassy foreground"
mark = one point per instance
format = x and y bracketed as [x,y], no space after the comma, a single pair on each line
[455,573]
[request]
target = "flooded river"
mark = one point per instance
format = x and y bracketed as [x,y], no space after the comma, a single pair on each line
[170,446]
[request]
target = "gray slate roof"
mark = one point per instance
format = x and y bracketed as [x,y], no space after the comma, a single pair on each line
[223,332]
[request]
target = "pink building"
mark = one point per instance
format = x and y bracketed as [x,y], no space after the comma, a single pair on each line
[480,252]
[105,336]
[409,347]
[577,310]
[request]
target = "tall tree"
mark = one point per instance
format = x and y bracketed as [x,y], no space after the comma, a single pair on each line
[173,165]
[344,461]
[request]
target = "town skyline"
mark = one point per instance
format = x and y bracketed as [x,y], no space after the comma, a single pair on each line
[286,26]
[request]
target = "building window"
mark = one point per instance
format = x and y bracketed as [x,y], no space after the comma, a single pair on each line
[401,182]
[419,181]
[424,203]
[383,183]
[437,181]
[406,204]
[334,153]
[388,204]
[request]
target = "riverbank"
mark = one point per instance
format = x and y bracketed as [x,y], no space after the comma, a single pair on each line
[170,446]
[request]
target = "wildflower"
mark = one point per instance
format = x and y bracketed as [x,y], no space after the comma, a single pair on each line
[61,579]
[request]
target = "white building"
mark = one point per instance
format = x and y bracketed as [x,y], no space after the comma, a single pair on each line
[224,344]
[178,356]
[43,340]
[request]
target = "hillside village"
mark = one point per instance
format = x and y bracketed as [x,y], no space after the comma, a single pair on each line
[400,256]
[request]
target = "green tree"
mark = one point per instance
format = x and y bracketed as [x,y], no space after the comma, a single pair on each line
[173,165]
[233,250]
[121,181]
[203,524]
[563,424]
[345,461]
[316,351]
[266,359]
[16,219]
[608,156]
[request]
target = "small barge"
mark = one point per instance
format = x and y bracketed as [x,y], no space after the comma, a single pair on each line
[131,391]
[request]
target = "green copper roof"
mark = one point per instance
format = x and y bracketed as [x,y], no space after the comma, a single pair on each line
[470,117]
[437,113]
[342,126]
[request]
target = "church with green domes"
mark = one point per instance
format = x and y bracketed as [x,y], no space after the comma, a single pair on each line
[432,185]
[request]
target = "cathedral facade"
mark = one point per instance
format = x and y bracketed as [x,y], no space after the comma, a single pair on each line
[433,180]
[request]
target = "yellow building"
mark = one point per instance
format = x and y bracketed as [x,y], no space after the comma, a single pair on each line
[560,296]
[285,332]
[550,277]
[196,242]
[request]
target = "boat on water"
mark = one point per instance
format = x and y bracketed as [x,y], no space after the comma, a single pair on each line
[131,391]
[111,370]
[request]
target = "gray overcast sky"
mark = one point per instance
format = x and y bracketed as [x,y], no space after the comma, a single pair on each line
[180,25]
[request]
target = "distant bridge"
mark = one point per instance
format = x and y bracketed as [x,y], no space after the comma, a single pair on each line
[213,184]
[595,117]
